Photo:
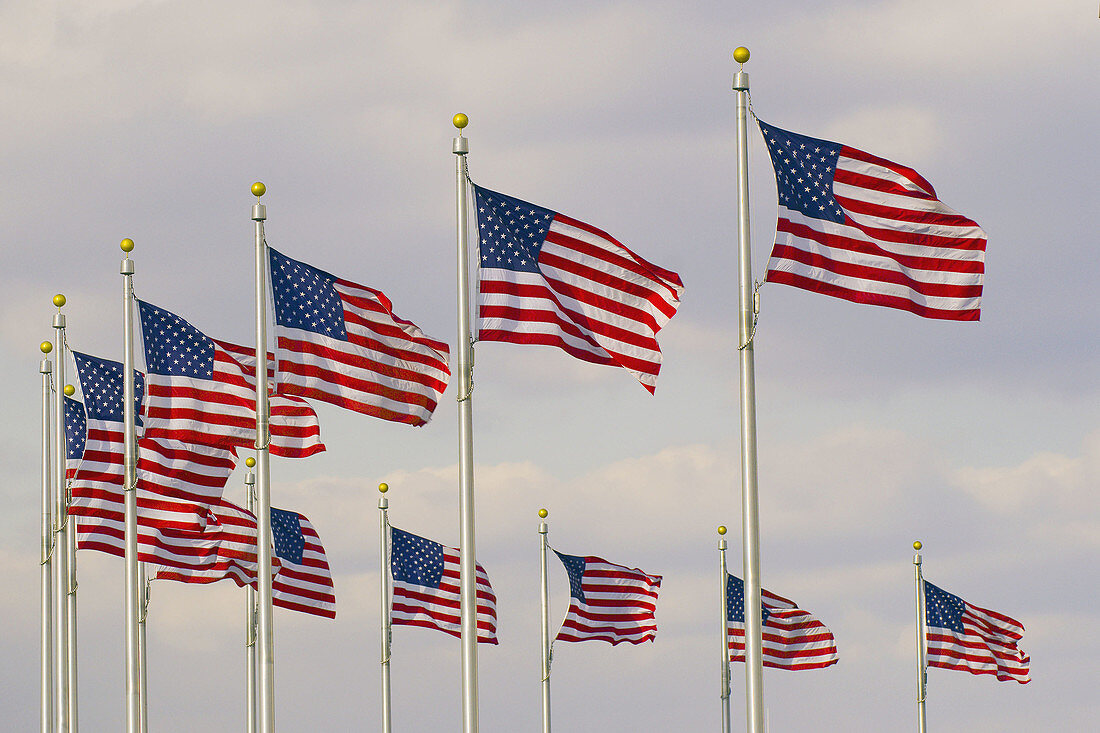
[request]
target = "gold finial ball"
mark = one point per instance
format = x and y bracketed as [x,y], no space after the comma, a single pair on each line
[721,529]
[250,461]
[70,390]
[460,120]
[46,347]
[383,487]
[59,300]
[917,545]
[543,513]
[127,245]
[740,54]
[258,189]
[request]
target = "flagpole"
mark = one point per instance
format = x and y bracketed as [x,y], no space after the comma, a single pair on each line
[61,530]
[46,708]
[468,580]
[143,661]
[754,658]
[133,601]
[384,605]
[545,625]
[723,574]
[263,465]
[250,608]
[70,551]
[922,660]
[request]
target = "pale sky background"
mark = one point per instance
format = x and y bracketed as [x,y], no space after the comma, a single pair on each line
[151,119]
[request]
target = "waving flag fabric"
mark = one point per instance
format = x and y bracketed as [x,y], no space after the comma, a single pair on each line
[303,581]
[792,638]
[545,278]
[426,589]
[608,602]
[976,640]
[76,435]
[175,480]
[341,342]
[204,391]
[862,228]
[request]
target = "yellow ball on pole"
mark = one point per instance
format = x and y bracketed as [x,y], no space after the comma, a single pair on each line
[59,300]
[740,54]
[126,245]
[46,347]
[250,461]
[383,487]
[70,390]
[460,120]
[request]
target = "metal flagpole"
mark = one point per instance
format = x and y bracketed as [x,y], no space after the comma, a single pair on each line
[70,551]
[250,608]
[922,652]
[545,625]
[750,530]
[62,647]
[143,661]
[263,485]
[723,574]
[384,601]
[133,600]
[468,595]
[46,712]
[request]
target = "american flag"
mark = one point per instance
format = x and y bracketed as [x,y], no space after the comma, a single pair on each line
[303,581]
[426,589]
[76,435]
[608,602]
[545,278]
[976,640]
[865,229]
[792,638]
[340,342]
[175,480]
[204,391]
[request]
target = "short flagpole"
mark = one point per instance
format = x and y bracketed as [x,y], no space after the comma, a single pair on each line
[250,610]
[384,601]
[922,653]
[723,574]
[46,709]
[754,658]
[263,486]
[468,580]
[70,550]
[133,600]
[61,530]
[545,624]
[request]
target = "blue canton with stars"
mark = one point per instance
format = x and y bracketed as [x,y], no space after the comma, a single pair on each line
[574,568]
[76,429]
[942,608]
[173,346]
[735,601]
[101,383]
[286,531]
[305,297]
[511,232]
[416,559]
[804,170]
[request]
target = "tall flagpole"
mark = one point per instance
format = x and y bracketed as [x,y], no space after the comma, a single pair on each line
[250,609]
[61,530]
[46,709]
[750,529]
[468,595]
[143,660]
[723,574]
[263,480]
[545,625]
[384,601]
[922,651]
[133,600]
[70,551]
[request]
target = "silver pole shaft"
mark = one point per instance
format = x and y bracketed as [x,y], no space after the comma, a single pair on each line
[922,661]
[70,550]
[723,573]
[143,657]
[61,538]
[250,620]
[133,600]
[754,659]
[46,712]
[468,596]
[545,630]
[263,485]
[384,608]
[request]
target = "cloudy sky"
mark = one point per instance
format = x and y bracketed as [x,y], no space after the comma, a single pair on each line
[150,120]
